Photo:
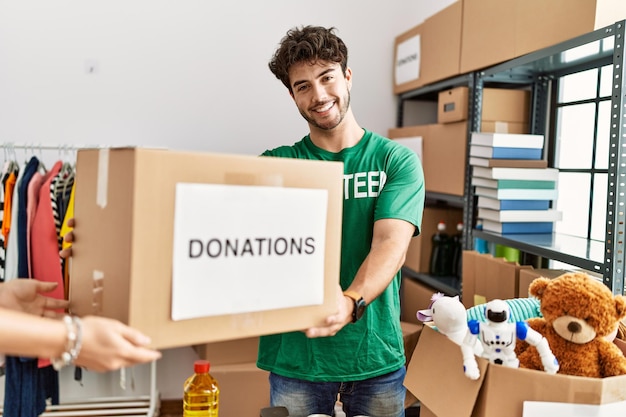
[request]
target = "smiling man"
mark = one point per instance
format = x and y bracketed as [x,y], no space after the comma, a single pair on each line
[358,353]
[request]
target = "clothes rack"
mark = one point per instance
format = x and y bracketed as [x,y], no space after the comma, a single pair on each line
[141,405]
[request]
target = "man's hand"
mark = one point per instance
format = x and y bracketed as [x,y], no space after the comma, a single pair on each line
[23,294]
[68,239]
[337,321]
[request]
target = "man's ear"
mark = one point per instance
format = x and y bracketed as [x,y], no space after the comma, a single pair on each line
[348,75]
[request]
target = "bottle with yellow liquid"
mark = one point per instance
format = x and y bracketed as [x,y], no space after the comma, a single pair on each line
[201,392]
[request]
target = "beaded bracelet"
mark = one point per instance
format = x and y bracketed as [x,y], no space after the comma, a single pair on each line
[73,343]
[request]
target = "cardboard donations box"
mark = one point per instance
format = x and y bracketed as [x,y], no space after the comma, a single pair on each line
[198,247]
[435,372]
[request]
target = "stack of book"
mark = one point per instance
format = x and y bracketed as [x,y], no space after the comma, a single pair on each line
[515,188]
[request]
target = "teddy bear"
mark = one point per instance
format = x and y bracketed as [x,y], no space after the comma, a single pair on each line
[579,312]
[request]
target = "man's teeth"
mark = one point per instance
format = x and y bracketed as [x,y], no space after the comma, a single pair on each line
[325,108]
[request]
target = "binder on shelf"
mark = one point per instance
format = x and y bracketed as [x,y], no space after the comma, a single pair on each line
[502,173]
[507,163]
[505,153]
[525,184]
[516,193]
[495,204]
[507,140]
[550,215]
[518,227]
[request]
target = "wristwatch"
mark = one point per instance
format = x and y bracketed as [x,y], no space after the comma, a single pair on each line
[359,305]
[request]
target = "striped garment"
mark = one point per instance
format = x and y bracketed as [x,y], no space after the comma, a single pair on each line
[522,309]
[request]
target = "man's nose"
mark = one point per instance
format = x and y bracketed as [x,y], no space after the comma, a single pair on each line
[319,92]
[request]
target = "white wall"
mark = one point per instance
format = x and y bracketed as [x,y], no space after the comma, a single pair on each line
[188,74]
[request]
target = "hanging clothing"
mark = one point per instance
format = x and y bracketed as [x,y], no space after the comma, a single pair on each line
[22,218]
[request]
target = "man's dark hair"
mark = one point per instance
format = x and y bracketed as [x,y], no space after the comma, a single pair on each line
[309,44]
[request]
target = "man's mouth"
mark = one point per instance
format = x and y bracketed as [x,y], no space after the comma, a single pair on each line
[325,107]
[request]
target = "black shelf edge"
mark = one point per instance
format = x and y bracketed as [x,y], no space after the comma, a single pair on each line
[436,87]
[449,285]
[583,253]
[452,200]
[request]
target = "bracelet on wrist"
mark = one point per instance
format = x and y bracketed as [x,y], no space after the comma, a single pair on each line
[72,344]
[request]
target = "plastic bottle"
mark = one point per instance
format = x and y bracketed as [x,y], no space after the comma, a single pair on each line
[457,250]
[440,258]
[201,392]
[480,245]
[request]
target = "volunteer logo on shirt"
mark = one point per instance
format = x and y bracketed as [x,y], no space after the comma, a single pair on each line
[258,246]
[363,184]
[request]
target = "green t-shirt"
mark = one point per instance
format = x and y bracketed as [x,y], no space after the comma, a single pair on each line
[382,179]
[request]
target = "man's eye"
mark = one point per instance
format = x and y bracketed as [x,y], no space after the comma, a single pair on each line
[301,88]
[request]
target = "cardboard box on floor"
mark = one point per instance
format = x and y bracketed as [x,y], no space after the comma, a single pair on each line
[443,150]
[500,391]
[122,265]
[486,278]
[244,389]
[527,275]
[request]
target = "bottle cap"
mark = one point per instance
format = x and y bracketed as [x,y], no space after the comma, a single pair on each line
[201,366]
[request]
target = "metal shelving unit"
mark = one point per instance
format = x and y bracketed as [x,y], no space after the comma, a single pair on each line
[536,71]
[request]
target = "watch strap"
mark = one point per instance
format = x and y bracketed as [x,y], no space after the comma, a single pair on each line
[353,294]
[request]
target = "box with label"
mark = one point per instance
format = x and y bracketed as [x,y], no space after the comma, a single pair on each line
[198,247]
[500,391]
[500,107]
[430,51]
[443,150]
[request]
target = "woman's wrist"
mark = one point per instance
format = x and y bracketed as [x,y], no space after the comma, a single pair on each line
[73,342]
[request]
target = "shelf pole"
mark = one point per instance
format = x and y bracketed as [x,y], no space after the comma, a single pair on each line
[616,194]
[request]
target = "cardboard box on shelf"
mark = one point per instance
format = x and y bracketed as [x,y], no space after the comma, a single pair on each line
[488,38]
[539,24]
[504,127]
[500,107]
[129,263]
[500,391]
[444,148]
[495,31]
[419,58]
[420,247]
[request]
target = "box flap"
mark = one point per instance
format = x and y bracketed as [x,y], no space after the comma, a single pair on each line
[436,355]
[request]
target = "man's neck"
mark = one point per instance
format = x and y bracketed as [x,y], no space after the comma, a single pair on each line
[345,135]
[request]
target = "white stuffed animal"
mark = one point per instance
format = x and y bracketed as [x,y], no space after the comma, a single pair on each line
[448,314]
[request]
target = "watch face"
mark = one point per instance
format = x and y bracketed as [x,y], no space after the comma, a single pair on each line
[359,309]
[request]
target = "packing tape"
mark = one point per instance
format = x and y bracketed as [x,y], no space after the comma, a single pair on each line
[102,183]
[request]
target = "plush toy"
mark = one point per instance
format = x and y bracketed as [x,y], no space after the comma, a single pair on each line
[498,335]
[449,316]
[578,313]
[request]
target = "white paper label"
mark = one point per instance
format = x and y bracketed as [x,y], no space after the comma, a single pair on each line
[542,409]
[408,60]
[240,249]
[414,143]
